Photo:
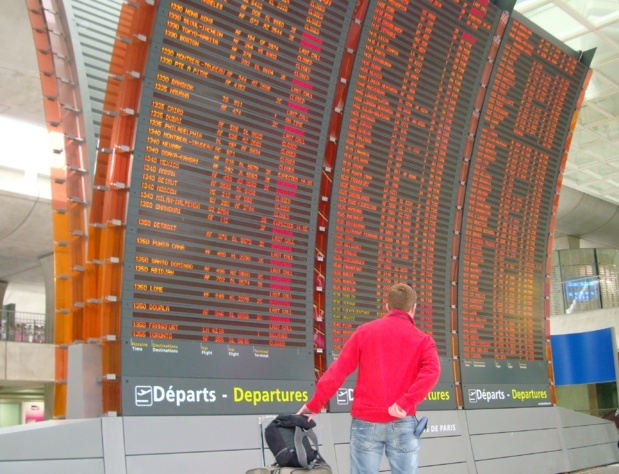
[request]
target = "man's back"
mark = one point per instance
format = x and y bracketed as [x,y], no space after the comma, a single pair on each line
[391,354]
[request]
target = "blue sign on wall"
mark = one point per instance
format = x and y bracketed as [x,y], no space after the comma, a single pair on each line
[585,357]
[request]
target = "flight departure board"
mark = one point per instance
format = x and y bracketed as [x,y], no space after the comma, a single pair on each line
[520,141]
[294,158]
[407,113]
[222,208]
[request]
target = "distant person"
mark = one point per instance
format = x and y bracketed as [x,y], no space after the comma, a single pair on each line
[398,366]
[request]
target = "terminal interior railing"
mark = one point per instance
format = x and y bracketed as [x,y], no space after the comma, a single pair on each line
[18,326]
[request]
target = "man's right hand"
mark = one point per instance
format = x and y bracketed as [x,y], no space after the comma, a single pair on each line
[304,411]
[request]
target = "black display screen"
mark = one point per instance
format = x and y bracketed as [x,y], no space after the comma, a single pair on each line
[399,159]
[512,180]
[225,180]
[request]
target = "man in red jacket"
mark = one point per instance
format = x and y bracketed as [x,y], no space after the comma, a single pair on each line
[398,366]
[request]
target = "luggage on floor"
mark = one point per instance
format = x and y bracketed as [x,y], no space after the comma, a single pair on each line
[294,445]
[324,469]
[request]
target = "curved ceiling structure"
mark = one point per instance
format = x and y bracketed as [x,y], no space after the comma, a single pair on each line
[588,218]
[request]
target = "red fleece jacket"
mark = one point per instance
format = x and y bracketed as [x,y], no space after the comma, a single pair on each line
[397,363]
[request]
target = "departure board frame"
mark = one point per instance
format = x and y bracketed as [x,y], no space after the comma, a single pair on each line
[292,161]
[217,306]
[533,94]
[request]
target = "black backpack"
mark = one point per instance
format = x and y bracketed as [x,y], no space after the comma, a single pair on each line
[293,442]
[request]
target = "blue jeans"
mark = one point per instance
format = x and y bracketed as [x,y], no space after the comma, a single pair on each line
[397,438]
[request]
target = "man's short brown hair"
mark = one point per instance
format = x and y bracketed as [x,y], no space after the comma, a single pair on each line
[402,297]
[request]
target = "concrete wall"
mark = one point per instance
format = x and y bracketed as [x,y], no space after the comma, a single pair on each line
[540,440]
[26,362]
[581,322]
